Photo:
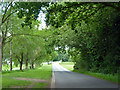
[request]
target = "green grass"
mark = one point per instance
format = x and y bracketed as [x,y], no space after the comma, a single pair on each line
[109,77]
[8,82]
[43,73]
[40,85]
[68,65]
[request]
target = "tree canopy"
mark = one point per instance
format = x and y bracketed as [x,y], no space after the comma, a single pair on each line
[90,31]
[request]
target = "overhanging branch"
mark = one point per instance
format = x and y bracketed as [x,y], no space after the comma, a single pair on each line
[20,34]
[8,16]
[6,10]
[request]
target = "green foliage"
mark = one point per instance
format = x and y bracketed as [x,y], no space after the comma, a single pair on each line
[91,31]
[33,43]
[61,56]
[29,10]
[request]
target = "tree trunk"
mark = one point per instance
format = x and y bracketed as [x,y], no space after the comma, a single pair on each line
[1,52]
[20,65]
[21,62]
[11,56]
[32,65]
[26,63]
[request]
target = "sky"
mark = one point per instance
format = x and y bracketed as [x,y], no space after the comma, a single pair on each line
[42,18]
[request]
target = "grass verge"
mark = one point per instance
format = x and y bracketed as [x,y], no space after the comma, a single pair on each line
[109,77]
[43,73]
[40,85]
[68,65]
[9,82]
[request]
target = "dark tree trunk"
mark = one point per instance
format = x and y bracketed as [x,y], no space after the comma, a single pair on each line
[1,53]
[21,62]
[20,65]
[10,56]
[32,65]
[26,63]
[10,64]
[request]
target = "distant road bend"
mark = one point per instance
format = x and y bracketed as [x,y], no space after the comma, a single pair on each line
[68,79]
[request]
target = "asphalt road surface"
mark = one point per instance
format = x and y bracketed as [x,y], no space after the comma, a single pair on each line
[68,79]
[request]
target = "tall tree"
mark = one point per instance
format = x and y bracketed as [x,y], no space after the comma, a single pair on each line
[28,10]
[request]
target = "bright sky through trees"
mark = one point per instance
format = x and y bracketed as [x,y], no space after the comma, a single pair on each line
[42,18]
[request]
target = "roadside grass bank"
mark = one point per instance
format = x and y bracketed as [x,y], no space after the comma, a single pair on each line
[41,73]
[112,78]
[109,77]
[68,65]
[9,82]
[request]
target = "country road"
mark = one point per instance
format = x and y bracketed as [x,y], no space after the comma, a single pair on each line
[68,79]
